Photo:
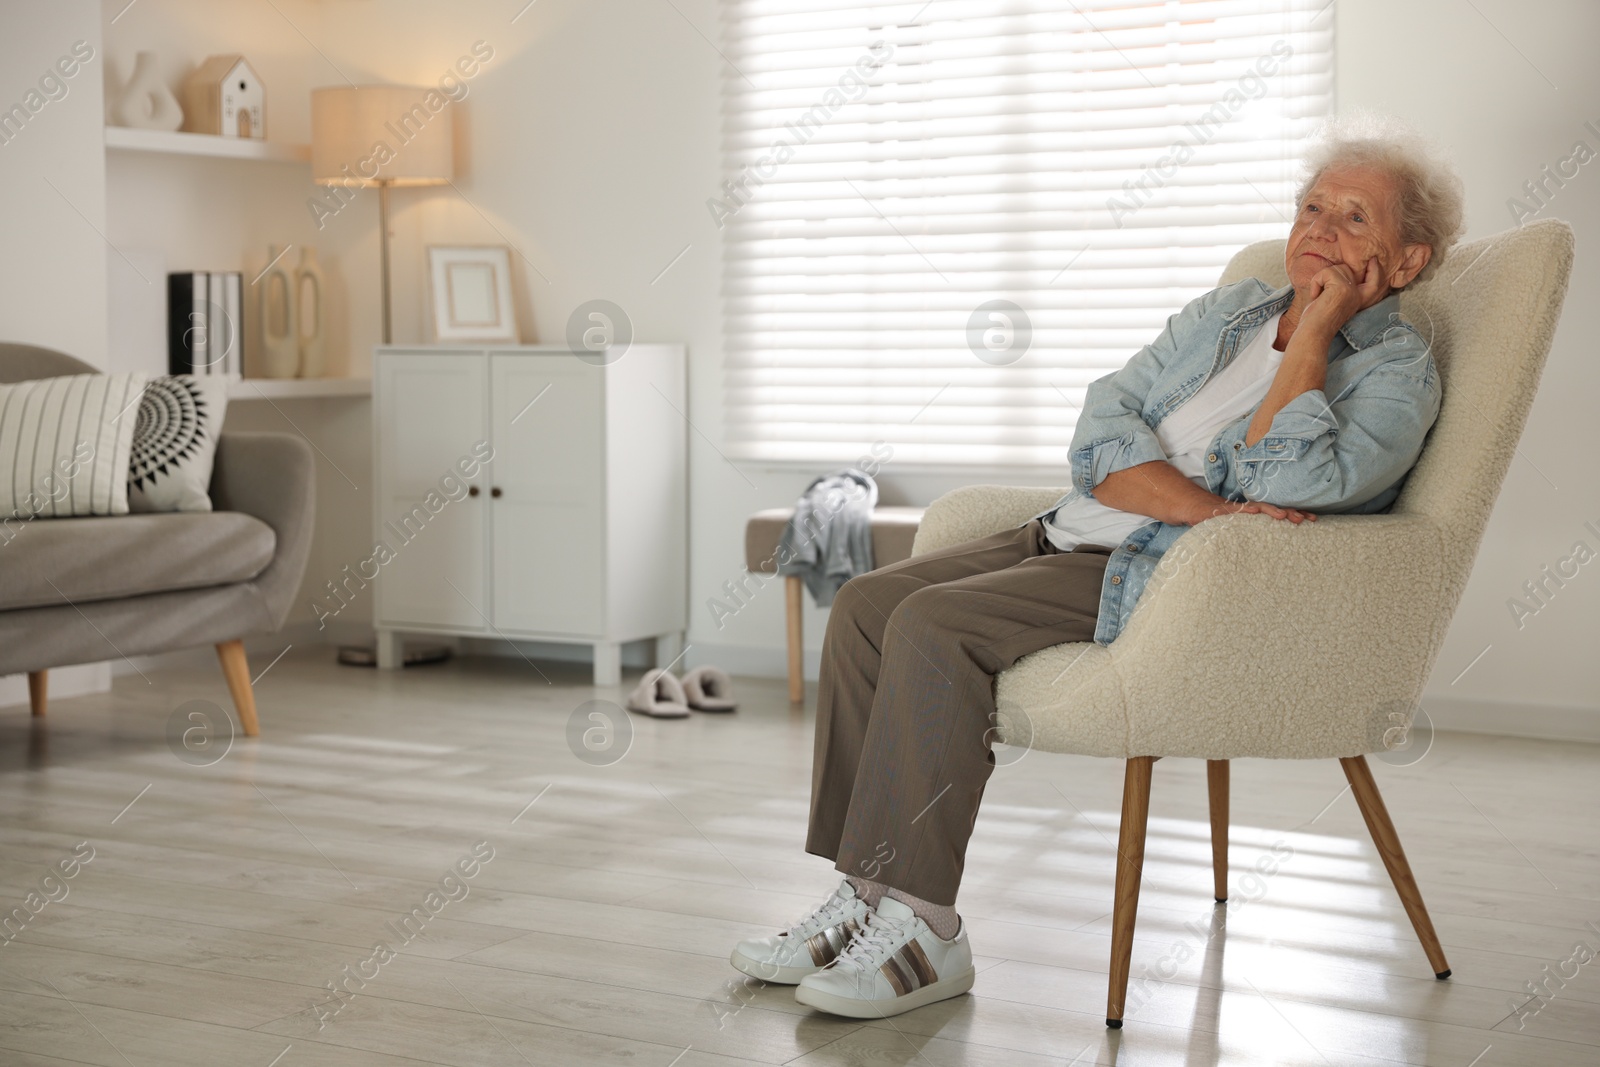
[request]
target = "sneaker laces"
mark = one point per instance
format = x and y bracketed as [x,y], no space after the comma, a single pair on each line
[830,912]
[876,939]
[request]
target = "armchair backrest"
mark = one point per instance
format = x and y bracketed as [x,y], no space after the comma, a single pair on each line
[24,363]
[1489,312]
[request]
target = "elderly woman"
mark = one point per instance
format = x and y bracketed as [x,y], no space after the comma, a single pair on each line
[1315,397]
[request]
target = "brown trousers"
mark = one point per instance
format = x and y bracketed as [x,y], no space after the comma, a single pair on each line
[906,707]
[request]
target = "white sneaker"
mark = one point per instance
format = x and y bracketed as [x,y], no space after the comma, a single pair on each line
[894,964]
[808,946]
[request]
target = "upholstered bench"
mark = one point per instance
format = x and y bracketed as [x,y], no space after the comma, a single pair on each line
[893,531]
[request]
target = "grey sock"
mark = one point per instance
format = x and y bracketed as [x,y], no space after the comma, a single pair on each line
[941,918]
[867,890]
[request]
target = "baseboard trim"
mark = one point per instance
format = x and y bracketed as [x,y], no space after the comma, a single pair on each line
[752,661]
[266,647]
[639,655]
[261,648]
[75,681]
[1544,722]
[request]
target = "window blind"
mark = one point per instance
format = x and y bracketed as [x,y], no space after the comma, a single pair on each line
[942,221]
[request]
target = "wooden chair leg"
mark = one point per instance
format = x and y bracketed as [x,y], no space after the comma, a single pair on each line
[1130,867]
[38,692]
[1217,787]
[792,588]
[236,669]
[1394,858]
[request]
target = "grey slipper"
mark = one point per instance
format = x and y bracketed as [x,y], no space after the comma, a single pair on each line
[709,689]
[659,694]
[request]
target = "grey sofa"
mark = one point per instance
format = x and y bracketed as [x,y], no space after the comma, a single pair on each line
[82,590]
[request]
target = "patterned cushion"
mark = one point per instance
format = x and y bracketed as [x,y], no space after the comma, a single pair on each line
[174,443]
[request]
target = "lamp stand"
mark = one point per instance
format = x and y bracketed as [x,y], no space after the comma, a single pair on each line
[383,240]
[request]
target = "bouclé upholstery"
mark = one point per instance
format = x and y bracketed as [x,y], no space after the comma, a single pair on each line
[1331,628]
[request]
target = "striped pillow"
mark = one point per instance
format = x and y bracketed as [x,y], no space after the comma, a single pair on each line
[64,445]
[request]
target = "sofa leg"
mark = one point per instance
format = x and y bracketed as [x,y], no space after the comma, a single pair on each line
[1130,867]
[792,587]
[1394,858]
[38,692]
[1217,787]
[236,669]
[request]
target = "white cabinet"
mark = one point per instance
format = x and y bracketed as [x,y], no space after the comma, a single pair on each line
[525,494]
[432,409]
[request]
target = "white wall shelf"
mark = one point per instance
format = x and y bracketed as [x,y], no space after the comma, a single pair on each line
[297,388]
[204,144]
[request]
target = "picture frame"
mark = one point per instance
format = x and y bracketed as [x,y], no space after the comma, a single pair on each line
[470,293]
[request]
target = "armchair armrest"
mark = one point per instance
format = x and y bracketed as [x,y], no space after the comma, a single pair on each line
[975,511]
[272,477]
[1287,641]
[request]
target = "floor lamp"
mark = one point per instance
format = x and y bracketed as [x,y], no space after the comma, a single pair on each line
[379,136]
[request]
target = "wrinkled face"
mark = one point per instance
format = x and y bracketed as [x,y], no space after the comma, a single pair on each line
[1348,217]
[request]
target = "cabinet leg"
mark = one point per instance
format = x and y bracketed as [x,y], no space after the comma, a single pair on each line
[391,650]
[38,692]
[668,648]
[607,663]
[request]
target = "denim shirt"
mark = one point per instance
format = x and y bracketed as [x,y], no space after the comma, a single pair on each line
[1345,448]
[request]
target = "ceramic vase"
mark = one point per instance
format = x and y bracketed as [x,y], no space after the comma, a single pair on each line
[280,345]
[145,102]
[309,315]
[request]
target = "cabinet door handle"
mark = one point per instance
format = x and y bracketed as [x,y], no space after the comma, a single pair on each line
[472,491]
[495,492]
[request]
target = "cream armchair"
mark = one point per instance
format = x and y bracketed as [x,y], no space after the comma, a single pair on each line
[1383,586]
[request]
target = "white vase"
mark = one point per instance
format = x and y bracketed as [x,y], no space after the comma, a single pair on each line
[309,315]
[280,348]
[145,102]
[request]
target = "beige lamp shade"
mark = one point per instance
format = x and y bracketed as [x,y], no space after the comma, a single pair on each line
[367,134]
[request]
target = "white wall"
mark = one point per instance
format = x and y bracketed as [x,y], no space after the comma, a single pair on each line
[590,143]
[1482,84]
[1448,70]
[178,213]
[53,259]
[53,272]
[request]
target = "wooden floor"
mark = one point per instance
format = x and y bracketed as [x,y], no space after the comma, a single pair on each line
[222,901]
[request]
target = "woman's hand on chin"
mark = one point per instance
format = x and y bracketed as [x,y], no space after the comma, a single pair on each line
[1335,294]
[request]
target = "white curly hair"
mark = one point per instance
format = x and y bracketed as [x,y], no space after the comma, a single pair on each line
[1430,201]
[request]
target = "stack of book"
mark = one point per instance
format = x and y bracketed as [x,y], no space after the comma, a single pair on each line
[205,323]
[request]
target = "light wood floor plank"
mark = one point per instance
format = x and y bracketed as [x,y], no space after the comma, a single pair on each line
[221,899]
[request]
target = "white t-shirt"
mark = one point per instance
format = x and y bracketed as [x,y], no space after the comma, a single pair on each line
[1185,436]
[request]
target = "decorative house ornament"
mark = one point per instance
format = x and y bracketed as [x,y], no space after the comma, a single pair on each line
[146,103]
[225,97]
